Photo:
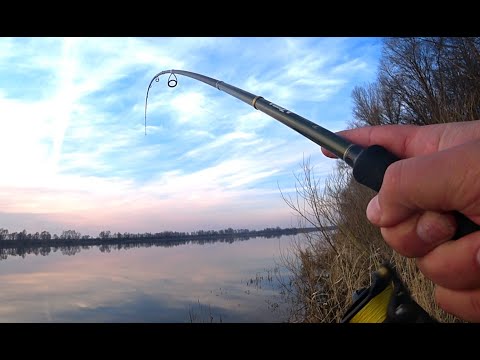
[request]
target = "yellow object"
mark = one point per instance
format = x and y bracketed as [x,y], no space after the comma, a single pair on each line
[375,311]
[386,300]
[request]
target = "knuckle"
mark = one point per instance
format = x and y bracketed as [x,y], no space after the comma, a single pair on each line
[392,176]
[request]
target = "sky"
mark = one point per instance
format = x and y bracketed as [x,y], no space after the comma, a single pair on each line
[74,154]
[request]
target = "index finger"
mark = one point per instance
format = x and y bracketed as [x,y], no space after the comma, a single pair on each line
[410,140]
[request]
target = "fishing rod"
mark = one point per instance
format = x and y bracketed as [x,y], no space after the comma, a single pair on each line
[368,164]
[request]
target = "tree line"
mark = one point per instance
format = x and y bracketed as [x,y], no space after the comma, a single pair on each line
[68,236]
[71,242]
[73,247]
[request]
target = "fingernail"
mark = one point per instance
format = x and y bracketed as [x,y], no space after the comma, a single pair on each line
[373,210]
[435,228]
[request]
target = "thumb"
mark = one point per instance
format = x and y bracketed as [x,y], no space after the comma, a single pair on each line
[443,181]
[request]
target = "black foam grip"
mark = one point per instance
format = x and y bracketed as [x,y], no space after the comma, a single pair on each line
[465,226]
[371,164]
[369,169]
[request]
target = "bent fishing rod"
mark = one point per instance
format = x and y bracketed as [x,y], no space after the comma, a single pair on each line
[368,164]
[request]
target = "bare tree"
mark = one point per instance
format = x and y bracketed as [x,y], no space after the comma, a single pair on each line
[422,81]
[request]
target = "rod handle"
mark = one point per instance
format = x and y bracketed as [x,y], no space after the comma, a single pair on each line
[369,169]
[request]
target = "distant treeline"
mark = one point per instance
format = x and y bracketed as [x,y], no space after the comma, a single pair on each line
[71,242]
[72,237]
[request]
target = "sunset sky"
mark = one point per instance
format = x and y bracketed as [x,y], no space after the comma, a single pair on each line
[74,154]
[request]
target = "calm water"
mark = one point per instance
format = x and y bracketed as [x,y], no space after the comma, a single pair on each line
[213,282]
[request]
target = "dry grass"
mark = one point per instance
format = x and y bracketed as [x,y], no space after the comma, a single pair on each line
[329,266]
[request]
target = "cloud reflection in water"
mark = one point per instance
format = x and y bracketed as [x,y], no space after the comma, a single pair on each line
[192,282]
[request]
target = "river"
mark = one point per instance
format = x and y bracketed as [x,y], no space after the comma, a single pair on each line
[232,282]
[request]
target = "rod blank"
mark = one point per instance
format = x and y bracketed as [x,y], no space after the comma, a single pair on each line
[369,165]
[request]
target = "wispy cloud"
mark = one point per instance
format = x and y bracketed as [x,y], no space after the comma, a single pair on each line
[73,145]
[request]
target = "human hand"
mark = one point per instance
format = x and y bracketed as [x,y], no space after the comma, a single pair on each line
[439,172]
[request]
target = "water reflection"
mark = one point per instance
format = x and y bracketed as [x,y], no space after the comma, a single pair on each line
[233,281]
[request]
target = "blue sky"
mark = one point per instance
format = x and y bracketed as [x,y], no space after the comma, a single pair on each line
[74,151]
